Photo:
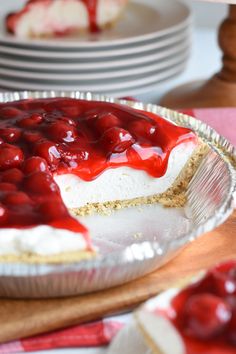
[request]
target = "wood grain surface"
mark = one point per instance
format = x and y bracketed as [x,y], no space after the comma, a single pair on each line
[23,318]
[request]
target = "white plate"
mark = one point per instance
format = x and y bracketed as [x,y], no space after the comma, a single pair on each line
[23,84]
[88,76]
[144,47]
[112,62]
[142,20]
[65,55]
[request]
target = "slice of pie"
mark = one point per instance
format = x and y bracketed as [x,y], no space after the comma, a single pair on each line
[50,18]
[199,319]
[64,155]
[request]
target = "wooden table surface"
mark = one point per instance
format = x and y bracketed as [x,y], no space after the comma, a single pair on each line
[22,318]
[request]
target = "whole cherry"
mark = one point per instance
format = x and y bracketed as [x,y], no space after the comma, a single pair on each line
[10,156]
[31,121]
[117,140]
[224,280]
[10,134]
[16,198]
[48,150]
[61,131]
[106,121]
[10,112]
[40,183]
[13,175]
[35,164]
[206,316]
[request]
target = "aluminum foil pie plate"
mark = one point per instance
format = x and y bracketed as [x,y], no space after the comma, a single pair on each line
[134,241]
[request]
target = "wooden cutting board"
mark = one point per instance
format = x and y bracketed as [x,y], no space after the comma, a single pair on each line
[23,318]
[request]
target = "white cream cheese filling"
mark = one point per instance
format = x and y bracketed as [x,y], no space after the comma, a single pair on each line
[159,331]
[114,184]
[122,183]
[63,14]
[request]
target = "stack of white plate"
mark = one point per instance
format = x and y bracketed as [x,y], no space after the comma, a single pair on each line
[148,45]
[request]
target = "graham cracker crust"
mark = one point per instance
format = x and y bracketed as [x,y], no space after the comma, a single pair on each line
[29,258]
[174,197]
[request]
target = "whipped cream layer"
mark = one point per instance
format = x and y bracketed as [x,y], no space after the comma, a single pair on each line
[51,17]
[41,240]
[122,183]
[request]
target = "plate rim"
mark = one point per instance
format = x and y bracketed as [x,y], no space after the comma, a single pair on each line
[154,45]
[77,76]
[101,88]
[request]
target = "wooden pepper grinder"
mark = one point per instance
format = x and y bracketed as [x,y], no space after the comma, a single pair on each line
[220,90]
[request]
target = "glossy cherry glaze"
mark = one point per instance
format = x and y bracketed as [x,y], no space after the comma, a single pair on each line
[91,6]
[41,138]
[206,312]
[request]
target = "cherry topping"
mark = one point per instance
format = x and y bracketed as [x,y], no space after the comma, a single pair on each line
[17,198]
[10,112]
[32,136]
[53,210]
[232,328]
[68,120]
[40,183]
[142,128]
[73,111]
[61,131]
[10,135]
[117,140]
[225,281]
[35,164]
[48,151]
[3,214]
[106,121]
[10,156]
[13,175]
[206,315]
[7,187]
[31,121]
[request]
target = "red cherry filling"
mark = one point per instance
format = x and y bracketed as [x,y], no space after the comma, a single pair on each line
[17,198]
[3,214]
[35,164]
[7,187]
[40,183]
[45,137]
[48,150]
[206,315]
[31,121]
[117,140]
[10,156]
[13,175]
[9,112]
[206,312]
[232,328]
[10,135]
[143,129]
[225,280]
[106,121]
[61,131]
